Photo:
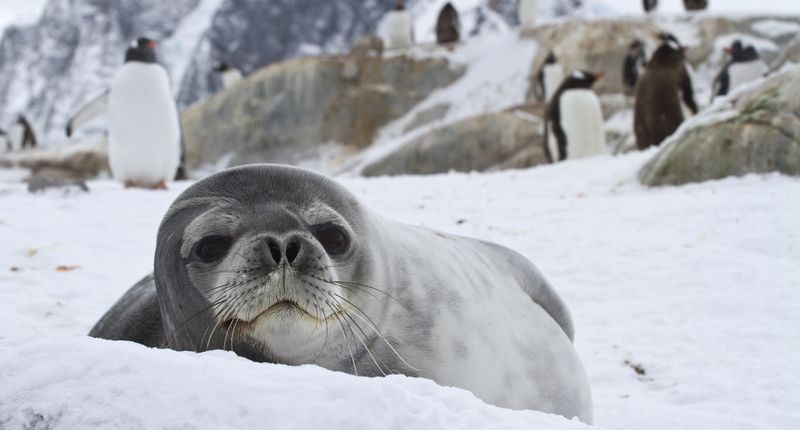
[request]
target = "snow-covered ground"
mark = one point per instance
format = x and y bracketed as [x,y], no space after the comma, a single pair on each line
[697,286]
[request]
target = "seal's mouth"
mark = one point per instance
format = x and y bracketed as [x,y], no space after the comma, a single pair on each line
[284,308]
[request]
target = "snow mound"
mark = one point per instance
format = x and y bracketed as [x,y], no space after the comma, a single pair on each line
[84,383]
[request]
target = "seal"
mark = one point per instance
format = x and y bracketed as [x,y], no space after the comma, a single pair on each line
[282,265]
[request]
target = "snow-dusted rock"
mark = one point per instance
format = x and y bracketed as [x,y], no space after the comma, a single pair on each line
[503,140]
[754,130]
[285,112]
[80,161]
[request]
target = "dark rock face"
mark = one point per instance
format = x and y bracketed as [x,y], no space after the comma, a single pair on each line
[250,34]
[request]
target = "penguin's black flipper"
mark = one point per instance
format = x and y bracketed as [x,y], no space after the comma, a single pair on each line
[721,83]
[180,173]
[88,112]
[687,91]
[538,85]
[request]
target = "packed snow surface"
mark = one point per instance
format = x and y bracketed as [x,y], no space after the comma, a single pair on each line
[685,301]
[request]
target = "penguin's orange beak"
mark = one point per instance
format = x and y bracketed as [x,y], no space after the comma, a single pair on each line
[599,75]
[152,44]
[728,51]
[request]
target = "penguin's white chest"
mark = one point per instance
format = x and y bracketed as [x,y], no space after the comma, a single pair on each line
[398,29]
[144,132]
[582,122]
[553,75]
[742,73]
[528,12]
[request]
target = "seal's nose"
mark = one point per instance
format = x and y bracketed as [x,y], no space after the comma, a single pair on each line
[289,247]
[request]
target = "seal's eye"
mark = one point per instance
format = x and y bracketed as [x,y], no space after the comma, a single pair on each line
[332,237]
[212,248]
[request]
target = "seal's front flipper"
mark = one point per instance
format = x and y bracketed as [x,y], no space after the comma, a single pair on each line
[134,317]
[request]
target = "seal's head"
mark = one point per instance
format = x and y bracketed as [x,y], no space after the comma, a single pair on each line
[261,260]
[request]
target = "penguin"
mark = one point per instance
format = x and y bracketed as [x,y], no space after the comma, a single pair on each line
[574,119]
[144,128]
[229,75]
[650,5]
[692,5]
[399,33]
[448,25]
[527,12]
[20,136]
[658,95]
[744,66]
[549,77]
[633,65]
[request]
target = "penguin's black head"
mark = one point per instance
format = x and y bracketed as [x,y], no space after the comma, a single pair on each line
[551,58]
[399,5]
[636,48]
[221,67]
[581,79]
[670,53]
[142,50]
[739,53]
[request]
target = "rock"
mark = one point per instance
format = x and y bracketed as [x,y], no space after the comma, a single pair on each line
[494,141]
[754,130]
[67,162]
[370,45]
[602,44]
[44,181]
[284,112]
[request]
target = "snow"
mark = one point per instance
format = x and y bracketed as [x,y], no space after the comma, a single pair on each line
[19,12]
[176,52]
[696,284]
[775,27]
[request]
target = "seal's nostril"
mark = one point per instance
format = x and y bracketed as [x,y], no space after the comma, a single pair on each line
[292,249]
[274,250]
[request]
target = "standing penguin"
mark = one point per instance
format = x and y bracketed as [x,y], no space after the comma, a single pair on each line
[665,82]
[633,65]
[650,5]
[398,27]
[574,120]
[744,66]
[448,25]
[20,136]
[144,129]
[695,4]
[548,78]
[229,75]
[527,12]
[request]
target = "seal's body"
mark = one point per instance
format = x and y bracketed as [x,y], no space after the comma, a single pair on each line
[283,265]
[574,126]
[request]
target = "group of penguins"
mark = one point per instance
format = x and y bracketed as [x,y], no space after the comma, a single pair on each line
[145,145]
[662,89]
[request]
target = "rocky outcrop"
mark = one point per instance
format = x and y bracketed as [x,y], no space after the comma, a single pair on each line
[602,44]
[283,113]
[68,162]
[494,141]
[755,130]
